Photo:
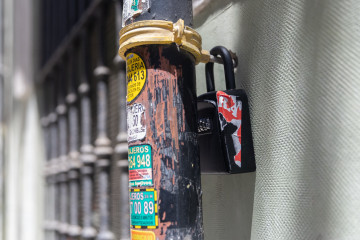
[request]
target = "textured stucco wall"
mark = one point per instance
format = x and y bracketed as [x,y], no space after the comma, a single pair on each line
[299,62]
[227,199]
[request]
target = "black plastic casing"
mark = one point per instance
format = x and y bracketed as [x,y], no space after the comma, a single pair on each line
[216,148]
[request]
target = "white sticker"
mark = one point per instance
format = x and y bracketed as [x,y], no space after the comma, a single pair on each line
[136,122]
[133,8]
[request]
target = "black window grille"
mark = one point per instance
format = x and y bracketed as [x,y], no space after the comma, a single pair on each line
[82,86]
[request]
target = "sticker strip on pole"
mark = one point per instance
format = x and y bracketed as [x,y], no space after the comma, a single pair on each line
[161,51]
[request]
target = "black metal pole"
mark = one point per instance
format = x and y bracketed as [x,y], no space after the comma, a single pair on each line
[164,168]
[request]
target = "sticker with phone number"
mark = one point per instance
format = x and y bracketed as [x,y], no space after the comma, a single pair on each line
[135,75]
[140,166]
[143,208]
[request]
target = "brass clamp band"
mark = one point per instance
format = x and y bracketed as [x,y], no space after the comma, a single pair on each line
[162,32]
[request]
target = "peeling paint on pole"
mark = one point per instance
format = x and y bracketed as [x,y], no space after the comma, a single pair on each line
[169,102]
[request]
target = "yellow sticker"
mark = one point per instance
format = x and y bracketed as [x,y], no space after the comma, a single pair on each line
[142,235]
[136,75]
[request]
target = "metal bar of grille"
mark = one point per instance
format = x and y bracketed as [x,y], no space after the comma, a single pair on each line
[103,148]
[122,146]
[46,135]
[74,161]
[52,164]
[45,36]
[78,117]
[122,155]
[87,156]
[63,160]
[49,168]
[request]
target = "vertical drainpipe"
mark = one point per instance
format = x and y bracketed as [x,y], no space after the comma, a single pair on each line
[86,150]
[122,146]
[74,156]
[164,170]
[103,149]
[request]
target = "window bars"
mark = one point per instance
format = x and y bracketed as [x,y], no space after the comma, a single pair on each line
[82,85]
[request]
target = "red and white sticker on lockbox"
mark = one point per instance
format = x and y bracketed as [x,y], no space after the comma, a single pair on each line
[136,122]
[230,109]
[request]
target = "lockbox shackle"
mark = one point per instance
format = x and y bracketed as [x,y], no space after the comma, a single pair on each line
[224,122]
[228,69]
